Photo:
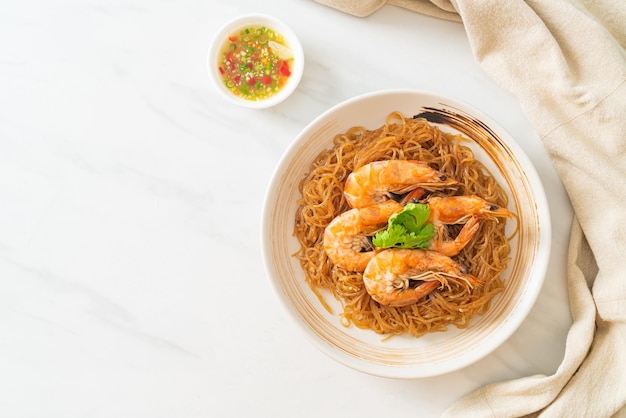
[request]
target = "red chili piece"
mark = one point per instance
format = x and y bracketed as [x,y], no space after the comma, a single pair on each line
[284,69]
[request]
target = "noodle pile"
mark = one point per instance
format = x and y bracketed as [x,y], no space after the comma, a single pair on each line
[322,200]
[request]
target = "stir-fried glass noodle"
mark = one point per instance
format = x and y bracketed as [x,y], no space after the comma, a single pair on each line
[485,257]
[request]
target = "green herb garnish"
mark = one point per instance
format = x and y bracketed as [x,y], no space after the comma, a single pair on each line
[407,229]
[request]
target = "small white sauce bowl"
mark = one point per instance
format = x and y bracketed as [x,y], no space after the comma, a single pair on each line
[234,26]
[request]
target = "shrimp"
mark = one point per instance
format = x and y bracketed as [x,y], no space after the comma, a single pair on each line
[460,209]
[468,210]
[376,181]
[399,277]
[451,247]
[346,237]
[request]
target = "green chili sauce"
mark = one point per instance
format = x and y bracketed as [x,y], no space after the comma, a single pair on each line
[250,67]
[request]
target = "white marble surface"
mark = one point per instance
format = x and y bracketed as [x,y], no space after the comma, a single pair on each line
[131,280]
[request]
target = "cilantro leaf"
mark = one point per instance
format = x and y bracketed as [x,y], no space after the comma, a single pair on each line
[393,236]
[412,217]
[407,229]
[419,240]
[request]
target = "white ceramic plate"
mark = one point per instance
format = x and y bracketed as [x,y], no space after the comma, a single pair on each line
[406,356]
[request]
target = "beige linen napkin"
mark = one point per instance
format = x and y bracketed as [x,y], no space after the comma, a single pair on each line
[565,62]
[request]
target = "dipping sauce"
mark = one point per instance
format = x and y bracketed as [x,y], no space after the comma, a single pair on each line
[255,63]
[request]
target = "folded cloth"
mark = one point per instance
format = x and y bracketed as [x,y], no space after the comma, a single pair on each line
[437,8]
[565,62]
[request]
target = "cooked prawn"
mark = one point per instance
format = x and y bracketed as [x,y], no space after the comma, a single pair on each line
[399,277]
[376,181]
[460,209]
[346,237]
[468,210]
